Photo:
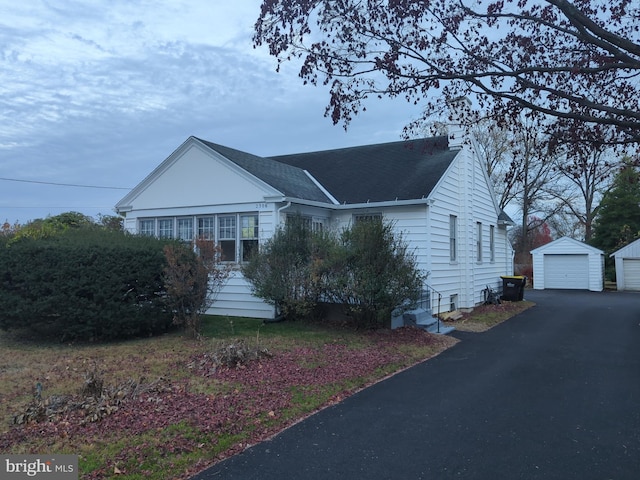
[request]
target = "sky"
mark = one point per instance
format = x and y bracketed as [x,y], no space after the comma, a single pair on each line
[98,93]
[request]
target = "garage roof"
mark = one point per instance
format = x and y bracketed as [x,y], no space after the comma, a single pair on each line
[567,245]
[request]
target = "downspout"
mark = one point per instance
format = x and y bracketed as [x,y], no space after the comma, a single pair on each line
[279,211]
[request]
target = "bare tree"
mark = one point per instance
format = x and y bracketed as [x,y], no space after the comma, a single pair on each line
[494,146]
[575,60]
[589,176]
[531,173]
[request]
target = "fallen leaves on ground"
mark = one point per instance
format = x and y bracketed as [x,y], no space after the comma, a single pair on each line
[484,317]
[211,401]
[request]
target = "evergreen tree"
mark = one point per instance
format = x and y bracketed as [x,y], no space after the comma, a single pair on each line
[618,220]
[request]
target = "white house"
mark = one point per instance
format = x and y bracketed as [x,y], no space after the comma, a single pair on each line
[568,264]
[435,192]
[628,266]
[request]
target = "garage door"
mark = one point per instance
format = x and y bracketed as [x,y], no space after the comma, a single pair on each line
[631,268]
[566,271]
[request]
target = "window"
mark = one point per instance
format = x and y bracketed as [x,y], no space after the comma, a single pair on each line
[185,229]
[367,217]
[311,223]
[479,242]
[235,234]
[305,220]
[453,233]
[165,227]
[207,228]
[453,302]
[147,227]
[248,236]
[227,237]
[492,243]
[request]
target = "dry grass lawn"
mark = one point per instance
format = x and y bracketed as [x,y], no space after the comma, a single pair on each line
[165,408]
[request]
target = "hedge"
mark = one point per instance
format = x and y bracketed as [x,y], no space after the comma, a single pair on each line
[89,285]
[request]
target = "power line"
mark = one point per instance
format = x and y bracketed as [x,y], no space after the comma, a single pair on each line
[63,184]
[52,207]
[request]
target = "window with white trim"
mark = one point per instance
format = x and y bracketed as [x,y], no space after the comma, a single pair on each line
[479,242]
[147,226]
[492,243]
[453,238]
[207,228]
[165,227]
[185,229]
[248,236]
[227,235]
[367,217]
[236,233]
[315,224]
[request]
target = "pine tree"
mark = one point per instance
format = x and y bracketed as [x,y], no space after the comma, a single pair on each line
[618,220]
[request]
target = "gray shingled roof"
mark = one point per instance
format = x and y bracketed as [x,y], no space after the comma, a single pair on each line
[404,170]
[288,179]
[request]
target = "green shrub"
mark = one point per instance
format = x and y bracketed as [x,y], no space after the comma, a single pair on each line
[288,272]
[368,269]
[374,272]
[83,284]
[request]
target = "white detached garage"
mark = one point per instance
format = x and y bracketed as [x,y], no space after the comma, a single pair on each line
[568,264]
[628,266]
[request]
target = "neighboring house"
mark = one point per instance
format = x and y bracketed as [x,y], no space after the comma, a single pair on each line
[628,266]
[568,264]
[435,192]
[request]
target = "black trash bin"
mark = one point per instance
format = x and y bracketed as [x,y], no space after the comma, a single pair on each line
[513,288]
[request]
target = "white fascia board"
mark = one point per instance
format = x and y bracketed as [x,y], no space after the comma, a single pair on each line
[350,206]
[321,187]
[125,203]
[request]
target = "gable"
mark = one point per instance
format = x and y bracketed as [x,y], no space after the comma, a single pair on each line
[292,181]
[405,170]
[631,250]
[566,245]
[192,176]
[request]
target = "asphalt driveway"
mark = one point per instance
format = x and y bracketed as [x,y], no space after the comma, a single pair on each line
[553,393]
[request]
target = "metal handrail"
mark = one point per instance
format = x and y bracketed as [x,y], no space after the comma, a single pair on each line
[430,289]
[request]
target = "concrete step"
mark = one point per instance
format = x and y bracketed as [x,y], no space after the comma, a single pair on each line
[424,319]
[443,330]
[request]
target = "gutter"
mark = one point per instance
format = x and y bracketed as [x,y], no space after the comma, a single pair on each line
[349,206]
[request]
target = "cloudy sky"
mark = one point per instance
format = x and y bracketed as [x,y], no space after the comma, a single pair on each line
[98,93]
